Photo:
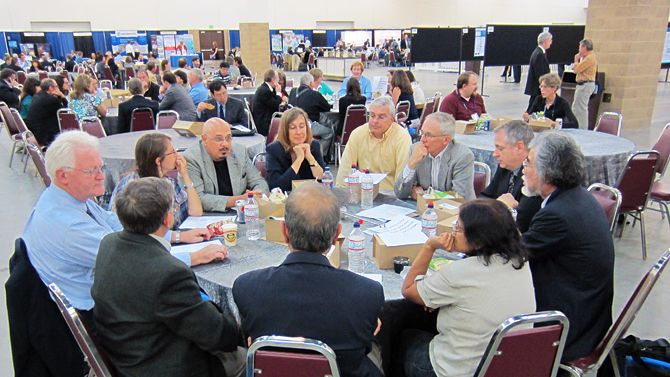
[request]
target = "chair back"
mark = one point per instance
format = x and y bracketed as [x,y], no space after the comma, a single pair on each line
[662,146]
[259,163]
[428,109]
[391,58]
[65,74]
[142,120]
[89,346]
[42,75]
[67,120]
[609,123]
[130,73]
[8,119]
[528,352]
[92,126]
[623,322]
[436,101]
[636,180]
[166,119]
[482,178]
[356,116]
[274,128]
[289,82]
[250,114]
[311,60]
[20,124]
[290,357]
[402,111]
[106,84]
[108,73]
[364,58]
[610,199]
[37,156]
[21,77]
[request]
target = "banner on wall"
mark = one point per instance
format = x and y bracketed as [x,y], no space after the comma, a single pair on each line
[184,44]
[169,45]
[27,48]
[275,42]
[121,38]
[291,40]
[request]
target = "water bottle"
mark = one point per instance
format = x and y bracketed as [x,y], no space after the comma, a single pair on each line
[429,221]
[357,249]
[252,219]
[327,178]
[353,185]
[366,190]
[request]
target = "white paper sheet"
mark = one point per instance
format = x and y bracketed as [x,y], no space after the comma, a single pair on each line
[202,222]
[240,127]
[401,239]
[385,212]
[448,206]
[375,277]
[398,224]
[193,246]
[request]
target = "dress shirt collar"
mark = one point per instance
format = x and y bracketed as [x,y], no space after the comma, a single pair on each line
[59,193]
[270,86]
[439,155]
[163,241]
[543,50]
[308,257]
[385,135]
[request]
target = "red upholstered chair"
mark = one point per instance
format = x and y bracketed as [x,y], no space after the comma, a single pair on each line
[392,59]
[281,356]
[591,364]
[427,110]
[274,128]
[357,115]
[21,126]
[609,123]
[310,62]
[89,346]
[142,120]
[37,156]
[364,59]
[65,74]
[482,178]
[21,77]
[93,126]
[289,83]
[660,192]
[259,163]
[610,199]
[436,101]
[635,186]
[402,112]
[526,352]
[166,119]
[12,129]
[67,120]
[42,75]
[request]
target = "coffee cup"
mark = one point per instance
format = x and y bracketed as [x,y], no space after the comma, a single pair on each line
[230,234]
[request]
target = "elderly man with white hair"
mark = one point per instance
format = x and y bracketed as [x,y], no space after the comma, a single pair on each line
[198,92]
[538,66]
[313,103]
[438,161]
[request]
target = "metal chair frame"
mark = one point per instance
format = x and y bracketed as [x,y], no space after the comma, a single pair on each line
[86,120]
[142,110]
[607,114]
[291,344]
[346,132]
[165,113]
[72,114]
[487,173]
[617,200]
[12,130]
[274,128]
[402,112]
[260,158]
[37,156]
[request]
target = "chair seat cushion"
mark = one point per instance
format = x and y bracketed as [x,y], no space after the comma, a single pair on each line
[660,191]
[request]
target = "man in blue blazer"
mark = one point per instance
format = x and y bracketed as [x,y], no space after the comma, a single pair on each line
[137,101]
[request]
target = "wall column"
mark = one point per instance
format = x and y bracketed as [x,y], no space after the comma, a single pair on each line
[255,44]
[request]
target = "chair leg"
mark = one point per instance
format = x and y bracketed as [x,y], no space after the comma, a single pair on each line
[644,237]
[664,206]
[615,365]
[25,165]
[572,371]
[11,156]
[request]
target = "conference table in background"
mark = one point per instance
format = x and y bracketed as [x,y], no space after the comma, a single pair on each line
[174,59]
[118,151]
[606,155]
[243,94]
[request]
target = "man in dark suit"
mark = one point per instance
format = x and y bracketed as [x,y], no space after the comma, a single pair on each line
[13,65]
[70,63]
[306,296]
[570,244]
[151,90]
[9,91]
[538,66]
[222,106]
[42,118]
[244,71]
[511,149]
[126,108]
[149,312]
[266,101]
[176,98]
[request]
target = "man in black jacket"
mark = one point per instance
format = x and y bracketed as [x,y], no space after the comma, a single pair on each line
[538,66]
[9,91]
[222,106]
[570,244]
[313,103]
[42,118]
[244,71]
[70,63]
[151,90]
[511,149]
[126,108]
[266,101]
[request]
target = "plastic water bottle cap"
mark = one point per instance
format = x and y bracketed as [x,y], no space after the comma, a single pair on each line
[430,205]
[360,222]
[327,168]
[357,225]
[353,166]
[251,195]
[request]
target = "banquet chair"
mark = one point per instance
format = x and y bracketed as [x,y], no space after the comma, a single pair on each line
[142,119]
[295,62]
[67,120]
[273,60]
[356,116]
[610,199]
[482,178]
[106,84]
[274,128]
[290,357]
[12,129]
[635,185]
[310,62]
[21,126]
[259,163]
[92,126]
[534,351]
[108,73]
[37,156]
[289,83]
[391,56]
[42,75]
[364,59]
[402,112]
[593,362]
[166,119]
[21,77]
[65,74]
[660,192]
[436,101]
[428,109]
[94,354]
[609,123]
[252,123]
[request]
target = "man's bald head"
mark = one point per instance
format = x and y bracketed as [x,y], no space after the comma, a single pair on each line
[217,138]
[312,217]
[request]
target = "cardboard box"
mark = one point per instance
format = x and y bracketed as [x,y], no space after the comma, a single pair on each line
[450,208]
[465,127]
[540,125]
[273,231]
[334,258]
[384,255]
[497,122]
[445,226]
[267,209]
[114,102]
[185,128]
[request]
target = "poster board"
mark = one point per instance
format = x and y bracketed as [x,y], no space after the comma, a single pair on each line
[356,37]
[121,38]
[434,45]
[665,61]
[169,45]
[275,42]
[184,44]
[380,35]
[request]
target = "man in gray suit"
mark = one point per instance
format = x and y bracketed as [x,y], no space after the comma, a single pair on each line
[438,161]
[220,170]
[151,317]
[176,98]
[222,106]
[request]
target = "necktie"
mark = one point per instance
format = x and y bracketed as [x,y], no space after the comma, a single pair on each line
[88,212]
[510,184]
[222,111]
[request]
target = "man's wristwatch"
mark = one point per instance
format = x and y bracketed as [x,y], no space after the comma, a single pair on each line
[186,187]
[177,238]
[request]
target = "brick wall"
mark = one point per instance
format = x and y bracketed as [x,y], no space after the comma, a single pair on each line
[255,45]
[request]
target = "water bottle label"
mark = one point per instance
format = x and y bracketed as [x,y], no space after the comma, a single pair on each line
[328,184]
[367,186]
[428,224]
[356,245]
[250,211]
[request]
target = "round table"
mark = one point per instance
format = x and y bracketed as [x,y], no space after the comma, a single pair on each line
[118,151]
[242,94]
[606,155]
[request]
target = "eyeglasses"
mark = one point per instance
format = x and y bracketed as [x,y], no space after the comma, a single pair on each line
[456,228]
[429,136]
[220,139]
[546,87]
[527,164]
[167,154]
[93,172]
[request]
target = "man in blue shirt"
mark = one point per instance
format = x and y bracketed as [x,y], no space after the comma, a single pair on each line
[198,92]
[66,226]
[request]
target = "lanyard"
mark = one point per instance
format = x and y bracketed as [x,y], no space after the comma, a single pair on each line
[465,104]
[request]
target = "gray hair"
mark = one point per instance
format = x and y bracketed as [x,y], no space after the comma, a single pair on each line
[543,37]
[306,79]
[61,152]
[143,204]
[135,86]
[587,43]
[445,123]
[312,214]
[558,159]
[384,101]
[517,131]
[197,72]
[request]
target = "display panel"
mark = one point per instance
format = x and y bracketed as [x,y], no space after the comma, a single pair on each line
[380,35]
[433,45]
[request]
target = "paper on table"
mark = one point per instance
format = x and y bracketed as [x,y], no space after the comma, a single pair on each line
[375,277]
[240,127]
[193,247]
[448,206]
[201,222]
[385,212]
[401,239]
[398,224]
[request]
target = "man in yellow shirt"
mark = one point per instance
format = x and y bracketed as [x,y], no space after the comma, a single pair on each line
[380,146]
[586,66]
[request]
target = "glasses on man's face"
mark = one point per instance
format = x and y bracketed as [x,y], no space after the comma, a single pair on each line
[92,172]
[456,228]
[428,135]
[527,164]
[220,139]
